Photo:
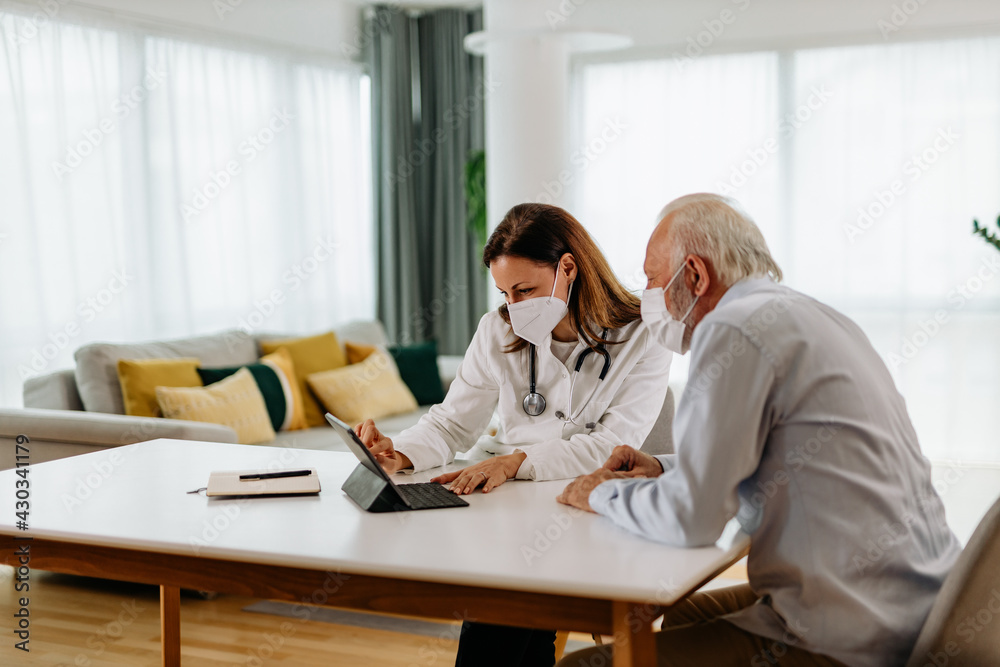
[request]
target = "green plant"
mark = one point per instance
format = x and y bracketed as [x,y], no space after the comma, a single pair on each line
[475,193]
[992,239]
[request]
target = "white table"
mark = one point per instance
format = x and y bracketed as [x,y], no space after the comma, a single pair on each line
[514,556]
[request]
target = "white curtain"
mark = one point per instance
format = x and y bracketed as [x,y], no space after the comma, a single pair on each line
[153,186]
[677,133]
[682,128]
[864,166]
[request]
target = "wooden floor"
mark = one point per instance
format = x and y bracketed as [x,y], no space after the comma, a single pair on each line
[90,622]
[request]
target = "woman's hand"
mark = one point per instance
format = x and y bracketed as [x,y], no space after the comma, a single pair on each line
[381,446]
[490,473]
[632,462]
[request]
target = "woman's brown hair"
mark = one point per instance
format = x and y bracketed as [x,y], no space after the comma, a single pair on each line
[543,234]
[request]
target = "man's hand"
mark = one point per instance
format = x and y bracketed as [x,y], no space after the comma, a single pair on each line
[632,462]
[577,492]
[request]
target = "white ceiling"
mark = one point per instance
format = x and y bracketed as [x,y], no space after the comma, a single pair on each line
[322,26]
[663,25]
[768,23]
[656,26]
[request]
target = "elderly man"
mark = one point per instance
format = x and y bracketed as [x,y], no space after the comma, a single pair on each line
[791,423]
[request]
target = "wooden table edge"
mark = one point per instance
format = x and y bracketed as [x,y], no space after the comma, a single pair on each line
[633,641]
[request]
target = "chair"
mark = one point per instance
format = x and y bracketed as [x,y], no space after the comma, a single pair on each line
[958,629]
[661,438]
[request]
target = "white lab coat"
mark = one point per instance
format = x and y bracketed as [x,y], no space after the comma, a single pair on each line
[624,407]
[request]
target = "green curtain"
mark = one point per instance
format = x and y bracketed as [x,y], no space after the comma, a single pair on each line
[427,115]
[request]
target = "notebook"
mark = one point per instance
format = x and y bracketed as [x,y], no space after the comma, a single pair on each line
[228,483]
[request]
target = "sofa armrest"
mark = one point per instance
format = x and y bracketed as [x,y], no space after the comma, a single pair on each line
[69,430]
[448,368]
[53,391]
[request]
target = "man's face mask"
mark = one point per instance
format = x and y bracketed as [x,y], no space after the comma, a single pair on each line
[664,329]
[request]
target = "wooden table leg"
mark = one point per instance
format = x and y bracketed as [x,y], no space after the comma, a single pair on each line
[170,625]
[561,637]
[634,643]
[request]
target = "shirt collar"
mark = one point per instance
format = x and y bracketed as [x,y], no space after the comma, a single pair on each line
[744,287]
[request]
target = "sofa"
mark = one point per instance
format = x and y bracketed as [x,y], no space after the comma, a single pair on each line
[65,416]
[59,422]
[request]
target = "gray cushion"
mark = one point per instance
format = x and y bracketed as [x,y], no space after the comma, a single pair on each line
[97,363]
[370,332]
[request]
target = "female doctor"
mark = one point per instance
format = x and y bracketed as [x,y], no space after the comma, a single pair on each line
[565,362]
[568,367]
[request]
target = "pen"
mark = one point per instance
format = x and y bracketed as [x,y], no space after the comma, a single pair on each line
[276,475]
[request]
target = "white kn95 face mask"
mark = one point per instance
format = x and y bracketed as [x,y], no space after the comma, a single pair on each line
[662,326]
[534,319]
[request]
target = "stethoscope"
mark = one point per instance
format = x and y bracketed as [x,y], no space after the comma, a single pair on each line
[534,403]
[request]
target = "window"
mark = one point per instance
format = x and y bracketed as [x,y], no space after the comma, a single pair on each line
[864,167]
[155,186]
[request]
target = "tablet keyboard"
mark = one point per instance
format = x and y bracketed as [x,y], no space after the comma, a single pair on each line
[429,495]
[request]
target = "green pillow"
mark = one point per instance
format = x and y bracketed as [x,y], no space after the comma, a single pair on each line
[273,385]
[418,368]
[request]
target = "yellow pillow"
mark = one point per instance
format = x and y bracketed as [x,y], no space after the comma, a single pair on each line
[139,379]
[358,352]
[281,359]
[310,355]
[235,402]
[371,389]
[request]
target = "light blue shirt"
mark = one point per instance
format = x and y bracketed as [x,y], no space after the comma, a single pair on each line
[791,422]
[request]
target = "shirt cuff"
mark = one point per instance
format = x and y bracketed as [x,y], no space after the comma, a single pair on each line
[602,495]
[668,461]
[422,458]
[526,469]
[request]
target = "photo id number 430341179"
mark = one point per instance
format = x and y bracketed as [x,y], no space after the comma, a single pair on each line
[22,544]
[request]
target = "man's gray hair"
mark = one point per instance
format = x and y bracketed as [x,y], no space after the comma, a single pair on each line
[716,228]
